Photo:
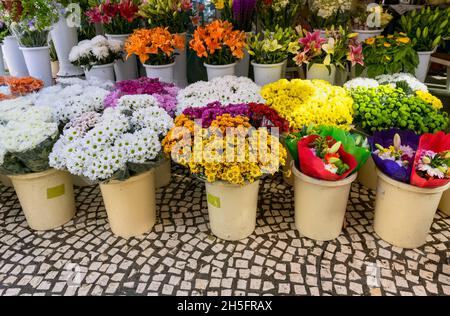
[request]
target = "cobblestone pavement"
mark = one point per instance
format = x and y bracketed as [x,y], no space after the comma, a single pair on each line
[180,256]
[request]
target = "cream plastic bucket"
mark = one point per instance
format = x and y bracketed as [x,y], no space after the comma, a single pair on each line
[130,204]
[444,205]
[46,198]
[5,180]
[320,205]
[404,213]
[367,175]
[163,174]
[232,209]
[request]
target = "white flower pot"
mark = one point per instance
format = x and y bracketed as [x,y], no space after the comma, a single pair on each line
[320,71]
[164,73]
[232,209]
[2,64]
[267,73]
[14,57]
[367,174]
[365,34]
[64,38]
[320,205]
[38,63]
[424,63]
[180,72]
[215,71]
[242,66]
[127,69]
[163,174]
[130,204]
[404,213]
[101,72]
[46,198]
[444,204]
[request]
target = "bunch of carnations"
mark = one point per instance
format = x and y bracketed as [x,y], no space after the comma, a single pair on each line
[164,93]
[337,48]
[96,52]
[154,46]
[385,107]
[117,144]
[226,90]
[20,86]
[303,102]
[218,44]
[422,161]
[117,17]
[229,149]
[27,135]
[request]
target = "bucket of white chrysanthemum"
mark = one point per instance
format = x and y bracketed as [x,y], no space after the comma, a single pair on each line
[97,57]
[413,173]
[119,149]
[27,136]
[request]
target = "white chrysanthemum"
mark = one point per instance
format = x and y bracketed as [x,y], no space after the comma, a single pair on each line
[100,52]
[136,101]
[227,90]
[116,46]
[413,82]
[361,82]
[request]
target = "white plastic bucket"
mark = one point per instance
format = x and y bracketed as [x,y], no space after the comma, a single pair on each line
[38,63]
[267,73]
[101,72]
[164,73]
[365,34]
[423,66]
[127,69]
[215,71]
[14,57]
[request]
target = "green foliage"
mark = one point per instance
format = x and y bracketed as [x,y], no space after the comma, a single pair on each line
[426,27]
[382,108]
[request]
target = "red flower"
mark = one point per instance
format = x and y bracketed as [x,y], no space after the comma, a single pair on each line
[94,15]
[268,2]
[264,116]
[109,9]
[128,10]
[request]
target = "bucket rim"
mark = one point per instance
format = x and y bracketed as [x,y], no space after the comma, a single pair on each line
[325,183]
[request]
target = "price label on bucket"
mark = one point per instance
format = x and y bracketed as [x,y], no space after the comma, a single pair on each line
[213,200]
[56,191]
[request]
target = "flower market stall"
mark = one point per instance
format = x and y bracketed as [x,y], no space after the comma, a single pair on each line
[316,97]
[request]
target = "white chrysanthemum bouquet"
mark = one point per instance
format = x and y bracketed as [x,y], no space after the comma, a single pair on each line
[27,135]
[95,52]
[226,90]
[118,144]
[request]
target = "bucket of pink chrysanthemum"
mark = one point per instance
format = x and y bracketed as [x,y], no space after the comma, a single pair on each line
[413,172]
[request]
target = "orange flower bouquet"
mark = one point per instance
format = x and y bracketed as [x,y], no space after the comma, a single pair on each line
[154,46]
[218,44]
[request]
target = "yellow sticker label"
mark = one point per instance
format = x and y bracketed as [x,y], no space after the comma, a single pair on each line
[214,200]
[56,191]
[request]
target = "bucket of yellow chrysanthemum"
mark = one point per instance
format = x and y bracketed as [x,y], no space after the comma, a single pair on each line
[231,157]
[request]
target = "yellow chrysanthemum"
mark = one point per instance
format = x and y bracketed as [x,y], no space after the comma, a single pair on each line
[430,99]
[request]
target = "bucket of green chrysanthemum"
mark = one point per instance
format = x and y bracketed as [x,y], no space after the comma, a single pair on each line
[230,161]
[45,195]
[413,172]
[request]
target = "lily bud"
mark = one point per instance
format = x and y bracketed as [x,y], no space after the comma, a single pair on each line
[334,148]
[397,141]
[426,160]
[379,147]
[334,160]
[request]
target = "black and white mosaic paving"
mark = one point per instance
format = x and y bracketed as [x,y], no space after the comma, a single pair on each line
[181,257]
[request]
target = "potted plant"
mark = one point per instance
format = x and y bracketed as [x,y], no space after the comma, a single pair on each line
[324,167]
[412,173]
[270,51]
[369,20]
[388,55]
[323,56]
[119,149]
[241,14]
[426,28]
[32,32]
[28,134]
[11,11]
[231,177]
[219,46]
[226,90]
[150,91]
[119,19]
[179,17]
[156,50]
[97,57]
[385,106]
